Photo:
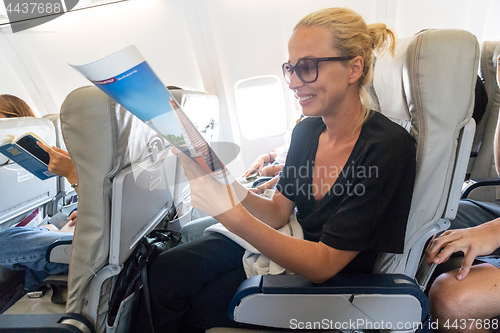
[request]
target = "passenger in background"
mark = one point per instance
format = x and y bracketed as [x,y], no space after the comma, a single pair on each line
[61,164]
[270,175]
[464,299]
[24,248]
[347,217]
[268,166]
[13,107]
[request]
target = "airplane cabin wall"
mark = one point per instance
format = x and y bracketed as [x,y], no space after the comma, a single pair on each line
[13,76]
[156,27]
[249,38]
[203,45]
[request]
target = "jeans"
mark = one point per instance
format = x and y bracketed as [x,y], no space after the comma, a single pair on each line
[24,248]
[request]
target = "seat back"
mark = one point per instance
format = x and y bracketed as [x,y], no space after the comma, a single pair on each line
[22,192]
[66,195]
[123,193]
[429,89]
[482,162]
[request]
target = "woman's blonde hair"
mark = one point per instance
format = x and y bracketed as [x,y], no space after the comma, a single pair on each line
[12,107]
[352,37]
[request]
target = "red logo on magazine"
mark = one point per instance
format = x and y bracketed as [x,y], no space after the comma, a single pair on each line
[104,82]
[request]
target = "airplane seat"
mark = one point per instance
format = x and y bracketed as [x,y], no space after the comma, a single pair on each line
[66,199]
[24,199]
[428,88]
[124,193]
[202,108]
[26,192]
[482,165]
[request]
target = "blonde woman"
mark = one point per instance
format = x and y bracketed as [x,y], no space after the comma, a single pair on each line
[349,173]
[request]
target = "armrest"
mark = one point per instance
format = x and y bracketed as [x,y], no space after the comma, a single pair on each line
[367,301]
[472,184]
[40,323]
[60,250]
[58,284]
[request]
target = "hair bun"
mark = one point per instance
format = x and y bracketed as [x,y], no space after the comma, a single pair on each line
[382,38]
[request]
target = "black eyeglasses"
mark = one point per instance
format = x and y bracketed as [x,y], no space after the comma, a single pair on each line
[307,68]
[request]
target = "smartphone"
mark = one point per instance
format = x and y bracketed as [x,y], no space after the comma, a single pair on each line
[29,143]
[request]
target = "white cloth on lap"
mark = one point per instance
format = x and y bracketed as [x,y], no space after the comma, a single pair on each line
[254,262]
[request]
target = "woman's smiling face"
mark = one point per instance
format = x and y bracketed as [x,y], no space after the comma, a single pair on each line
[322,96]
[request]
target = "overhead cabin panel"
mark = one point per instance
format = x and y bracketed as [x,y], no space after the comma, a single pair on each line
[155,26]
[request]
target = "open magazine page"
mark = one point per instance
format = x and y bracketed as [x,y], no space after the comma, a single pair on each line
[128,79]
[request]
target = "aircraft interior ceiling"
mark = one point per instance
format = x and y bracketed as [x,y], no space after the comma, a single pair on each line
[207,45]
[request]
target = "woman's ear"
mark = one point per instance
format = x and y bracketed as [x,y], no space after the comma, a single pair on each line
[357,65]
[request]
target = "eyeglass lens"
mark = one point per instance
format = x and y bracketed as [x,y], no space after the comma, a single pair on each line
[306,69]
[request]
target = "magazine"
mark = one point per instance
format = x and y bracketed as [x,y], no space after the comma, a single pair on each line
[127,78]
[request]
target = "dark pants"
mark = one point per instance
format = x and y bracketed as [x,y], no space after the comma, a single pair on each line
[192,285]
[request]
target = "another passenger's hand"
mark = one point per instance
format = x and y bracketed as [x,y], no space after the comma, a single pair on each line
[257,165]
[271,170]
[207,194]
[60,162]
[473,242]
[72,218]
[51,227]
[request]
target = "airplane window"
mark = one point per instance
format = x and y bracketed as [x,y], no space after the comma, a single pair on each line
[260,106]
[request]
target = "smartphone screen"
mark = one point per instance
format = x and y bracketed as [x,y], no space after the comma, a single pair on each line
[29,143]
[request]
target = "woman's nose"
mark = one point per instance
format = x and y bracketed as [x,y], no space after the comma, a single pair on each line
[295,82]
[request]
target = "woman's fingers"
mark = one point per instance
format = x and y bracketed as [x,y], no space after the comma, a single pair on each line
[61,151]
[207,194]
[45,147]
[466,265]
[191,169]
[442,247]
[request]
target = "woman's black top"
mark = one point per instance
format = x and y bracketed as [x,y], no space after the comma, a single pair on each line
[367,208]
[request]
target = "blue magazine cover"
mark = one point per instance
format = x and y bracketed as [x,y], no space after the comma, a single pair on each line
[127,78]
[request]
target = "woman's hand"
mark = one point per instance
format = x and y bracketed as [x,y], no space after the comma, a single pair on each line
[207,194]
[473,242]
[60,163]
